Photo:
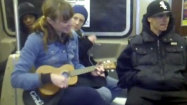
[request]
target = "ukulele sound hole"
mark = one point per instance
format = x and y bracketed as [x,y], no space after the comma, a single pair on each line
[65,74]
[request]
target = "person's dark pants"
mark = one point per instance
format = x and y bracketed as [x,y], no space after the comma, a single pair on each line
[140,96]
[69,96]
[81,96]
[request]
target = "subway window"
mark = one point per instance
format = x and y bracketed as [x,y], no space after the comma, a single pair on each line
[105,18]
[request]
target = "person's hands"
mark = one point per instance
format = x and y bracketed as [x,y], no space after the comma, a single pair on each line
[99,71]
[92,38]
[59,80]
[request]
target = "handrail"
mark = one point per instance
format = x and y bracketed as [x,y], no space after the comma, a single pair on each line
[16,18]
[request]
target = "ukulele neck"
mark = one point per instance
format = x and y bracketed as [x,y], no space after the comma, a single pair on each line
[82,71]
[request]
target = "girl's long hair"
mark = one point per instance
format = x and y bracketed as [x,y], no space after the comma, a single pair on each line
[53,9]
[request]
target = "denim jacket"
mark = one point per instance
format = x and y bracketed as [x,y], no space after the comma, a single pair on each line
[33,54]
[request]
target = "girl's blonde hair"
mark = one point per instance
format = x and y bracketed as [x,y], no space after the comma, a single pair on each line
[53,9]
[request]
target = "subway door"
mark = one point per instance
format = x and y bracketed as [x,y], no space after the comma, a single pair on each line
[179,10]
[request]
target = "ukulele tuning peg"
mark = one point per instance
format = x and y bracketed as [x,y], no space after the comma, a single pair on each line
[108,61]
[112,70]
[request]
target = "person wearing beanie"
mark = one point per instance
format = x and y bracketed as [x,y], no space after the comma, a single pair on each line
[153,66]
[110,90]
[85,42]
[27,16]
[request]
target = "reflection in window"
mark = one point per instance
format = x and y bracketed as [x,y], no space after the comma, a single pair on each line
[110,18]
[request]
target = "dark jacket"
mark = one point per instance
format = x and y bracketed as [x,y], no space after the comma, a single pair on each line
[84,46]
[85,59]
[154,62]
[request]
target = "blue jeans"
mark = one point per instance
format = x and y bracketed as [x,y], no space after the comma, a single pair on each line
[105,94]
[112,85]
[111,90]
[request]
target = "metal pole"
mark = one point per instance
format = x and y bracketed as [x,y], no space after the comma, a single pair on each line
[138,17]
[16,19]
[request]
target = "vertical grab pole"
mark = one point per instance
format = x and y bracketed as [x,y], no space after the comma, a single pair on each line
[16,19]
[138,17]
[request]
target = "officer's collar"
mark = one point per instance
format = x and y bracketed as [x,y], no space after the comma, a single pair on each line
[151,37]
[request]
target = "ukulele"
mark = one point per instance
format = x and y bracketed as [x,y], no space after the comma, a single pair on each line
[68,71]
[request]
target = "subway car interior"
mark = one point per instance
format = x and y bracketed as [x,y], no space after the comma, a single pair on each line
[112,21]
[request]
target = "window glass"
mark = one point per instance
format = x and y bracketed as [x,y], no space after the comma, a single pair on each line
[106,18]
